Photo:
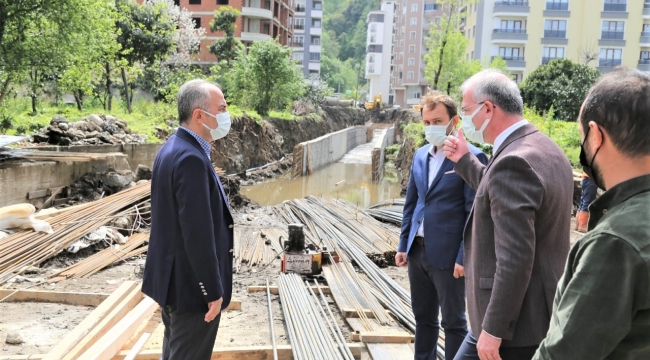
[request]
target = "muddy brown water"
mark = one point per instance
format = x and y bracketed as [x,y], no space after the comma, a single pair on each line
[357,188]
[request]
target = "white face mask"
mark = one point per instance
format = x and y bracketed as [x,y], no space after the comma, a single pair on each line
[469,130]
[437,134]
[223,125]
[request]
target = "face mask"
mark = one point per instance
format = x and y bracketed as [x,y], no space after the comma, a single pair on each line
[469,130]
[588,167]
[223,125]
[437,134]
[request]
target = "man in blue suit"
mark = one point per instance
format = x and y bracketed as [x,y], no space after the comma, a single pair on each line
[438,202]
[189,261]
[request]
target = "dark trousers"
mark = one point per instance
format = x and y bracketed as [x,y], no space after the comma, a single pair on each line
[433,290]
[589,191]
[468,351]
[187,335]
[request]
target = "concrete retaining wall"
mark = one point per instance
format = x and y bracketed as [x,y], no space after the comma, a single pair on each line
[135,153]
[387,138]
[312,155]
[17,179]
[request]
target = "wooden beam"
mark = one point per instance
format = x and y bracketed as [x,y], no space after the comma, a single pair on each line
[109,345]
[54,193]
[137,347]
[234,305]
[352,313]
[106,323]
[79,299]
[228,353]
[383,337]
[274,289]
[36,194]
[95,317]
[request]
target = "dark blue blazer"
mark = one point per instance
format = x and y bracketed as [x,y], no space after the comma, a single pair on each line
[189,261]
[445,206]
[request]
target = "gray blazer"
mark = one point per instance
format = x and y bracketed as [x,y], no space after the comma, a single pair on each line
[517,236]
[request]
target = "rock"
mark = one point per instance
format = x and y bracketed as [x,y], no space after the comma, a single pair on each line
[53,129]
[131,184]
[110,128]
[118,180]
[64,141]
[95,120]
[122,222]
[142,173]
[75,134]
[63,126]
[92,134]
[141,182]
[250,217]
[120,136]
[109,118]
[13,338]
[58,120]
[120,124]
[80,125]
[104,137]
[92,141]
[41,138]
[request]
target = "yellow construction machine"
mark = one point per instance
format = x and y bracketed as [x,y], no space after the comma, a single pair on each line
[376,103]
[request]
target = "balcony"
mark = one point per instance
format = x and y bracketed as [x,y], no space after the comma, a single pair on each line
[611,38]
[256,13]
[315,31]
[546,60]
[555,37]
[514,62]
[509,35]
[300,9]
[299,27]
[298,44]
[616,7]
[317,14]
[614,11]
[375,48]
[646,11]
[644,65]
[607,65]
[251,36]
[314,48]
[557,10]
[516,8]
[314,66]
[644,41]
[557,6]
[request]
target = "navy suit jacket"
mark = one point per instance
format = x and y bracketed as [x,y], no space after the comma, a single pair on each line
[445,205]
[189,261]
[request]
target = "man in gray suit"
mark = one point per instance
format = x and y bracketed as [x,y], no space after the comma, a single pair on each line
[517,234]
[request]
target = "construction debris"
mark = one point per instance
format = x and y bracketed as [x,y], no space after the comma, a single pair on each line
[105,234]
[93,130]
[21,216]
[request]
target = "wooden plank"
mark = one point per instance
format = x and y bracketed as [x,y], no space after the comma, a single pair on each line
[36,194]
[58,202]
[54,193]
[95,317]
[385,337]
[274,289]
[137,347]
[112,318]
[352,313]
[390,351]
[109,345]
[228,353]
[79,299]
[148,326]
[234,305]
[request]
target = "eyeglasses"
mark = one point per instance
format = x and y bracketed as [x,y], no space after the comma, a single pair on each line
[463,110]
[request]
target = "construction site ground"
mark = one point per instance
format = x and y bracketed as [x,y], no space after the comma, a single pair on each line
[42,325]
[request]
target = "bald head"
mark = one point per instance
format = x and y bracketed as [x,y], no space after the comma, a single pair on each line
[494,86]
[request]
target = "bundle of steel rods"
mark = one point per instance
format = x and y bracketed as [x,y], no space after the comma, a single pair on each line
[388,211]
[251,247]
[311,331]
[107,257]
[27,248]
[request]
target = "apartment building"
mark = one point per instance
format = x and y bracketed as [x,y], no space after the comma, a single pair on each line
[601,33]
[259,20]
[379,49]
[413,20]
[308,29]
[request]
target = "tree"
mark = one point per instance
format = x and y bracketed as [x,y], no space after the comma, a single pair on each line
[45,38]
[227,47]
[265,78]
[146,34]
[561,84]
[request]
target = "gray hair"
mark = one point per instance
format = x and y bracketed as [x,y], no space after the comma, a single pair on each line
[194,94]
[494,86]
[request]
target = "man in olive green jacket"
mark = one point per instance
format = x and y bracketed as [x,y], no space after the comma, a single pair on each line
[602,305]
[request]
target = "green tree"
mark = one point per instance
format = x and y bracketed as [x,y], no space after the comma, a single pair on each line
[265,78]
[227,47]
[561,84]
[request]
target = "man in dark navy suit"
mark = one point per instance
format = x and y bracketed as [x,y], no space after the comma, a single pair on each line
[189,261]
[438,202]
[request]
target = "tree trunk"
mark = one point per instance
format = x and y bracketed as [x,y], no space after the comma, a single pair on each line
[5,86]
[109,100]
[442,50]
[78,98]
[33,77]
[127,96]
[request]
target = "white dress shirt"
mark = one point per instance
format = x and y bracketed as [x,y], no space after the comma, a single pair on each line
[504,135]
[436,159]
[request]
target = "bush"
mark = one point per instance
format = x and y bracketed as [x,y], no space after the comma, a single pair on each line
[565,134]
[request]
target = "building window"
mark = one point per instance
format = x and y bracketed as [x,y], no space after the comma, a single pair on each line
[373,28]
[414,21]
[613,30]
[429,7]
[318,5]
[298,41]
[414,8]
[197,22]
[315,40]
[509,53]
[411,61]
[371,69]
[378,18]
[474,32]
[416,95]
[372,38]
[515,78]
[409,75]
[511,26]
[646,30]
[615,5]
[315,23]
[314,56]
[646,5]
[195,2]
[437,20]
[557,4]
[301,6]
[551,53]
[298,56]
[412,35]
[610,57]
[299,25]
[645,57]
[555,29]
[411,48]
[371,59]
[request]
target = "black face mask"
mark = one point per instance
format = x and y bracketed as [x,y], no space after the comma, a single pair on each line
[588,167]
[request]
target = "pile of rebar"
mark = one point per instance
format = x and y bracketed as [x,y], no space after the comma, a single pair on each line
[28,248]
[112,255]
[388,211]
[256,247]
[313,333]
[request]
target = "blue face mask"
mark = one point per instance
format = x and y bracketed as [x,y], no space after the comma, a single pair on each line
[223,125]
[469,129]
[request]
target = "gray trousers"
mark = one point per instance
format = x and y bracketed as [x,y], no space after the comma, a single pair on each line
[187,335]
